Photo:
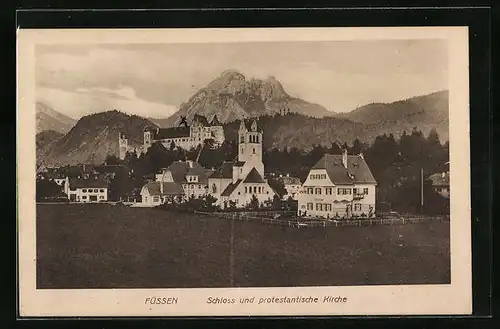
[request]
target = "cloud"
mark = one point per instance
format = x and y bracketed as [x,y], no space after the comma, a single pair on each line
[84,101]
[338,75]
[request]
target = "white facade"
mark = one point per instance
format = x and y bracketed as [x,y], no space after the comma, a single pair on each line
[188,137]
[322,197]
[86,194]
[240,181]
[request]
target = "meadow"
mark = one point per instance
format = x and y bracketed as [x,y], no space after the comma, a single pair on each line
[105,246]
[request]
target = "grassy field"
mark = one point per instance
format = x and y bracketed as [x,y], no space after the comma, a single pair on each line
[101,246]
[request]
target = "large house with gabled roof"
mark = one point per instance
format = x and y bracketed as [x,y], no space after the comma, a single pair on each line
[237,182]
[182,180]
[338,186]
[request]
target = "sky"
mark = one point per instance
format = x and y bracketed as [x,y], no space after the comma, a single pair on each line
[153,80]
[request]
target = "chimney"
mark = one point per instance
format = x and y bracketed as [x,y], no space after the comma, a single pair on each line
[361,156]
[344,158]
[190,163]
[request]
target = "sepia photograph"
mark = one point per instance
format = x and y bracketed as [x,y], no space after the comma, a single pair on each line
[256,174]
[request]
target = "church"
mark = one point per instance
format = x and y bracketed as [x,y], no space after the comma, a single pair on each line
[236,182]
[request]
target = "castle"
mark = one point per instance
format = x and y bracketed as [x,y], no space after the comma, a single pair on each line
[183,136]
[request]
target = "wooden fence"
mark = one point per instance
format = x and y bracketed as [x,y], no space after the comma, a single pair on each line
[303,223]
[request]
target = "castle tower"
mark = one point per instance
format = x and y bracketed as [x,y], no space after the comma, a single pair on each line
[122,145]
[148,137]
[250,146]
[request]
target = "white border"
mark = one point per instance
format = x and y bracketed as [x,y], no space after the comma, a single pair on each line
[455,298]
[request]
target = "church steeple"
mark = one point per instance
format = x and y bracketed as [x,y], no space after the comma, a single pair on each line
[250,143]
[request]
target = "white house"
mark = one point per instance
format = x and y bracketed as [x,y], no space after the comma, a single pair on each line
[238,181]
[338,186]
[89,190]
[180,181]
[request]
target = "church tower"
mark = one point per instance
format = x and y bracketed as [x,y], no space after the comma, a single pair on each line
[123,146]
[250,146]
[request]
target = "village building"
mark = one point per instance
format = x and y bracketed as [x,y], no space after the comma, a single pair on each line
[185,136]
[292,186]
[338,186]
[237,182]
[181,181]
[86,190]
[441,183]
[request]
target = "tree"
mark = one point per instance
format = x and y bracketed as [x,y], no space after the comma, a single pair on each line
[49,190]
[276,202]
[254,203]
[112,160]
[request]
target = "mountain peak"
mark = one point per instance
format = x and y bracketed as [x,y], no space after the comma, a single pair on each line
[232,72]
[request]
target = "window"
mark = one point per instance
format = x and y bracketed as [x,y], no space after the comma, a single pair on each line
[199,186]
[242,139]
[355,190]
[328,207]
[101,197]
[156,198]
[310,190]
[318,207]
[310,206]
[255,189]
[96,190]
[328,191]
[365,190]
[318,190]
[357,207]
[84,190]
[340,191]
[348,191]
[84,197]
[102,190]
[246,191]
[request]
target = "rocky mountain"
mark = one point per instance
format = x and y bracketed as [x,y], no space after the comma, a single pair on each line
[232,96]
[43,141]
[425,112]
[49,119]
[93,138]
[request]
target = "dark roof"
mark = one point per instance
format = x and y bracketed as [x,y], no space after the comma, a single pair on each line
[111,168]
[440,179]
[215,121]
[87,183]
[239,163]
[169,188]
[180,169]
[175,132]
[248,124]
[254,177]
[357,170]
[290,180]
[201,119]
[230,188]
[225,171]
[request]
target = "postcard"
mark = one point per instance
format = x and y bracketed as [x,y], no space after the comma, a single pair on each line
[243,172]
